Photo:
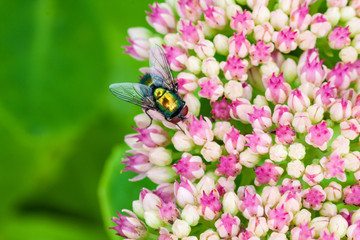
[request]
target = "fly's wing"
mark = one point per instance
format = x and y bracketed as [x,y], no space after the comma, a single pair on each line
[138,94]
[160,70]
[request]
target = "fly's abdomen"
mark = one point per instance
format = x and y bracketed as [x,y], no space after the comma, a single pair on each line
[167,101]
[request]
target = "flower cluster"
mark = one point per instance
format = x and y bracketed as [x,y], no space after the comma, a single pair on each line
[275,152]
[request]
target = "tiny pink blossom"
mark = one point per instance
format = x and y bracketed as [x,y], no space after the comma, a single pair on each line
[152,136]
[224,185]
[215,17]
[277,89]
[320,26]
[278,219]
[139,48]
[259,142]
[298,101]
[238,45]
[176,57]
[247,235]
[200,130]
[339,76]
[302,232]
[300,17]
[354,230]
[210,205]
[242,22]
[168,212]
[234,141]
[149,200]
[308,55]
[205,4]
[268,173]
[229,166]
[211,88]
[285,135]
[350,129]
[184,192]
[239,109]
[190,167]
[352,195]
[293,186]
[227,226]
[313,174]
[282,115]
[326,235]
[325,95]
[260,118]
[161,18]
[340,110]
[250,205]
[190,34]
[130,227]
[263,32]
[187,82]
[339,37]
[313,72]
[260,52]
[314,197]
[189,9]
[291,201]
[319,135]
[220,110]
[235,68]
[165,191]
[138,162]
[285,40]
[301,122]
[334,166]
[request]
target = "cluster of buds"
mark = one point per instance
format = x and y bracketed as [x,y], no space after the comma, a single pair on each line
[275,152]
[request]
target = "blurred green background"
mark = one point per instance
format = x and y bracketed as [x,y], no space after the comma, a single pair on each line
[58,121]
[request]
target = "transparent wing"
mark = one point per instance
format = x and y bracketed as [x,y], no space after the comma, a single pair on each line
[135,93]
[160,70]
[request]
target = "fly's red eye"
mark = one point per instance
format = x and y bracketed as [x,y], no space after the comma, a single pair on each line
[184,112]
[175,120]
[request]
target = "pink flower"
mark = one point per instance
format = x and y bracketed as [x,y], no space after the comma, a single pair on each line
[312,71]
[138,162]
[211,88]
[260,118]
[176,57]
[220,110]
[149,200]
[259,142]
[250,205]
[165,191]
[227,226]
[313,174]
[215,17]
[291,201]
[319,135]
[277,89]
[210,205]
[278,219]
[325,95]
[334,167]
[239,110]
[200,130]
[350,129]
[190,34]
[190,167]
[154,136]
[293,186]
[285,40]
[298,101]
[268,173]
[162,18]
[225,185]
[314,197]
[168,212]
[340,110]
[184,192]
[189,9]
[242,22]
[263,32]
[301,122]
[238,45]
[325,235]
[229,166]
[139,48]
[247,235]
[339,37]
[300,17]
[187,82]
[282,115]
[285,135]
[339,76]
[352,195]
[129,226]
[260,52]
[354,230]
[234,141]
[302,232]
[235,68]
[320,26]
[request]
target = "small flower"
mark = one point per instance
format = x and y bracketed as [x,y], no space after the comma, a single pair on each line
[176,57]
[181,228]
[279,19]
[129,226]
[278,153]
[242,22]
[138,162]
[319,135]
[268,173]
[312,71]
[320,26]
[215,17]
[250,205]
[260,52]
[234,141]
[338,225]
[260,118]
[229,166]
[333,192]
[211,151]
[210,205]
[334,167]
[285,135]
[190,214]
[325,95]
[233,90]
[282,115]
[270,196]
[354,230]
[190,34]
[139,48]
[168,212]
[184,192]
[263,32]
[161,18]
[239,109]
[303,231]
[259,142]
[238,45]
[300,17]
[295,168]
[234,68]
[211,88]
[301,122]
[339,37]
[285,40]
[227,226]
[190,167]
[220,110]
[258,225]
[204,49]
[314,197]
[189,9]
[298,101]
[352,195]
[313,174]
[340,110]
[278,219]
[200,130]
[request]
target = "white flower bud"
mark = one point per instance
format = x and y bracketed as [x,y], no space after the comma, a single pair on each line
[152,219]
[306,40]
[356,216]
[269,68]
[347,13]
[301,121]
[160,156]
[288,67]
[209,235]
[233,89]
[356,43]
[295,168]
[231,10]
[204,49]
[258,225]
[182,142]
[278,152]
[316,113]
[302,217]
[338,225]
[279,19]
[340,145]
[248,158]
[190,215]
[161,174]
[139,33]
[354,26]
[210,67]
[319,223]
[352,161]
[260,101]
[193,103]
[333,15]
[181,228]
[138,208]
[221,43]
[221,128]
[296,151]
[211,151]
[277,236]
[193,64]
[270,196]
[333,192]
[328,209]
[171,39]
[348,54]
[230,203]
[142,120]
[261,14]
[206,184]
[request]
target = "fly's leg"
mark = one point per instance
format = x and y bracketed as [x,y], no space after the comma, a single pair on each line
[151,119]
[180,128]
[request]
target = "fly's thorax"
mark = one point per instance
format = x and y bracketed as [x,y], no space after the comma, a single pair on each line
[168,102]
